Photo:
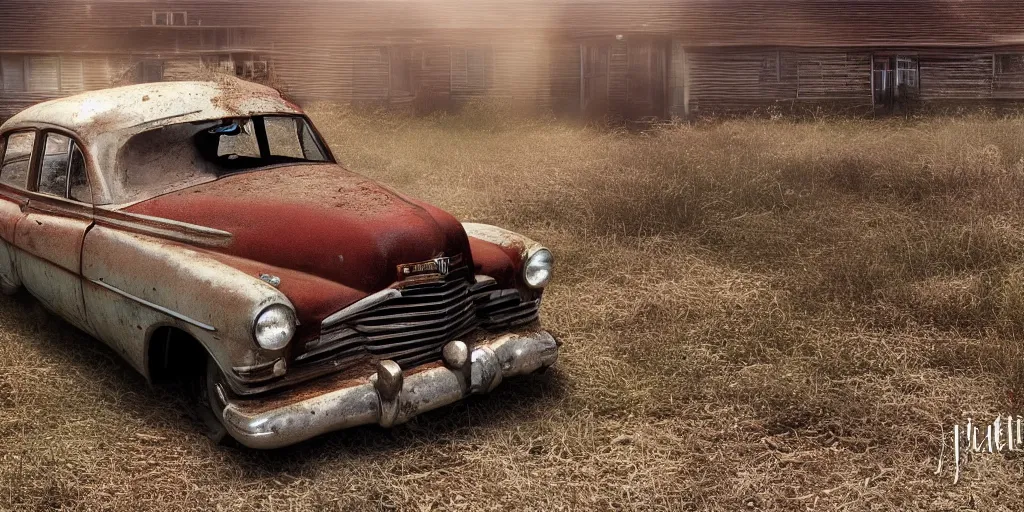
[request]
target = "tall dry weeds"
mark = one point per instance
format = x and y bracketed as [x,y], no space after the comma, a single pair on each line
[757,314]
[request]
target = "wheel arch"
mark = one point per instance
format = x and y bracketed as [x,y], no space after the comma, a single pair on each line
[172,352]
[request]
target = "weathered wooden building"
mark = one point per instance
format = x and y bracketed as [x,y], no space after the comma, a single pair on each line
[633,58]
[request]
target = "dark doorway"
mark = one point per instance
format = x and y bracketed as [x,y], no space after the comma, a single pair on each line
[645,78]
[594,93]
[895,82]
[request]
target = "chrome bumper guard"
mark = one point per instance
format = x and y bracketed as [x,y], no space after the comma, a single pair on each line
[390,396]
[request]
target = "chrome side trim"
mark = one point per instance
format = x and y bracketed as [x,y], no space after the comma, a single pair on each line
[157,307]
[163,228]
[361,305]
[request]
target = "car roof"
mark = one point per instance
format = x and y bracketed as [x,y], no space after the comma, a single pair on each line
[138,107]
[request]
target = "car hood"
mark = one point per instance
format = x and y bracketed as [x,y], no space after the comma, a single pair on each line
[319,219]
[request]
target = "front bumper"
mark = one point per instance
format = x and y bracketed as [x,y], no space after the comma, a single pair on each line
[390,396]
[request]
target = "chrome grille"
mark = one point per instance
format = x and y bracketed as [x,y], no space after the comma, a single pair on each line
[505,308]
[411,324]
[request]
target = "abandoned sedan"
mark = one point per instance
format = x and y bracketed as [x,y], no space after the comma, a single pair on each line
[205,232]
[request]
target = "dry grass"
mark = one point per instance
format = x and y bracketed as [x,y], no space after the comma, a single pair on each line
[756,314]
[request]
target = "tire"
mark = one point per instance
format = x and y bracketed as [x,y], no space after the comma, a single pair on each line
[206,392]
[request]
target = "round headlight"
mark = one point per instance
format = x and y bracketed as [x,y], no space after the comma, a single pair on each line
[274,327]
[538,268]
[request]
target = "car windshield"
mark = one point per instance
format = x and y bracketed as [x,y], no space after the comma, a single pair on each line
[181,155]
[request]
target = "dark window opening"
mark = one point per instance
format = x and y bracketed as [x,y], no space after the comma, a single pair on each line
[17,154]
[771,68]
[1010,64]
[53,172]
[151,71]
[906,73]
[256,70]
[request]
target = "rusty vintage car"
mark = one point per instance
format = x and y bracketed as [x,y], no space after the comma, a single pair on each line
[205,232]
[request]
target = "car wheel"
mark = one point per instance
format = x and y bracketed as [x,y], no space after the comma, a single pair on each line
[207,397]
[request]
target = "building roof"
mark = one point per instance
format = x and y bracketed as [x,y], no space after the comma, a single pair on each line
[102,25]
[137,107]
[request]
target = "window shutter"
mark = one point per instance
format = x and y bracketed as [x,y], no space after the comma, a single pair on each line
[13,71]
[43,73]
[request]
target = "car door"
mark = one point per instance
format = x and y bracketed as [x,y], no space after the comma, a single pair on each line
[15,161]
[57,215]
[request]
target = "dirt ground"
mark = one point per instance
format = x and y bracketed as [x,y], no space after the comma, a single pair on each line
[756,315]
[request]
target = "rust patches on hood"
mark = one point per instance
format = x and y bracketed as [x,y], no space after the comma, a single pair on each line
[319,219]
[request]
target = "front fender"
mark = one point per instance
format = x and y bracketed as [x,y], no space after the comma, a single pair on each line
[133,283]
[515,247]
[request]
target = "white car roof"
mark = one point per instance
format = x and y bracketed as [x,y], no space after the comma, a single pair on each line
[138,107]
[104,120]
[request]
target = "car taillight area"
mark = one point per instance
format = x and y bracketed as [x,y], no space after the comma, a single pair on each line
[411,323]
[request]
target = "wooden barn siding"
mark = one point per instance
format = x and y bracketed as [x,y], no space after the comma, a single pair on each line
[956,76]
[744,79]
[74,74]
[94,25]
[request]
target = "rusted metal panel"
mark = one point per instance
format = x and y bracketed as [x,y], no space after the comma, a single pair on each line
[54,233]
[48,256]
[144,272]
[370,216]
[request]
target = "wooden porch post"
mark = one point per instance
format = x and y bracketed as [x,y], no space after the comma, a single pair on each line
[583,90]
[872,81]
[686,83]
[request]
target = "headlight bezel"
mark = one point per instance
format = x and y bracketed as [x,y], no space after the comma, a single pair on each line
[287,323]
[541,259]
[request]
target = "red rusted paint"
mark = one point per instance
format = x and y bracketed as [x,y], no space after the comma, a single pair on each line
[495,261]
[319,219]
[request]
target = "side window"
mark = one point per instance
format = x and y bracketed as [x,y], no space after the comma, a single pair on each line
[236,140]
[17,153]
[283,137]
[53,174]
[79,189]
[290,137]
